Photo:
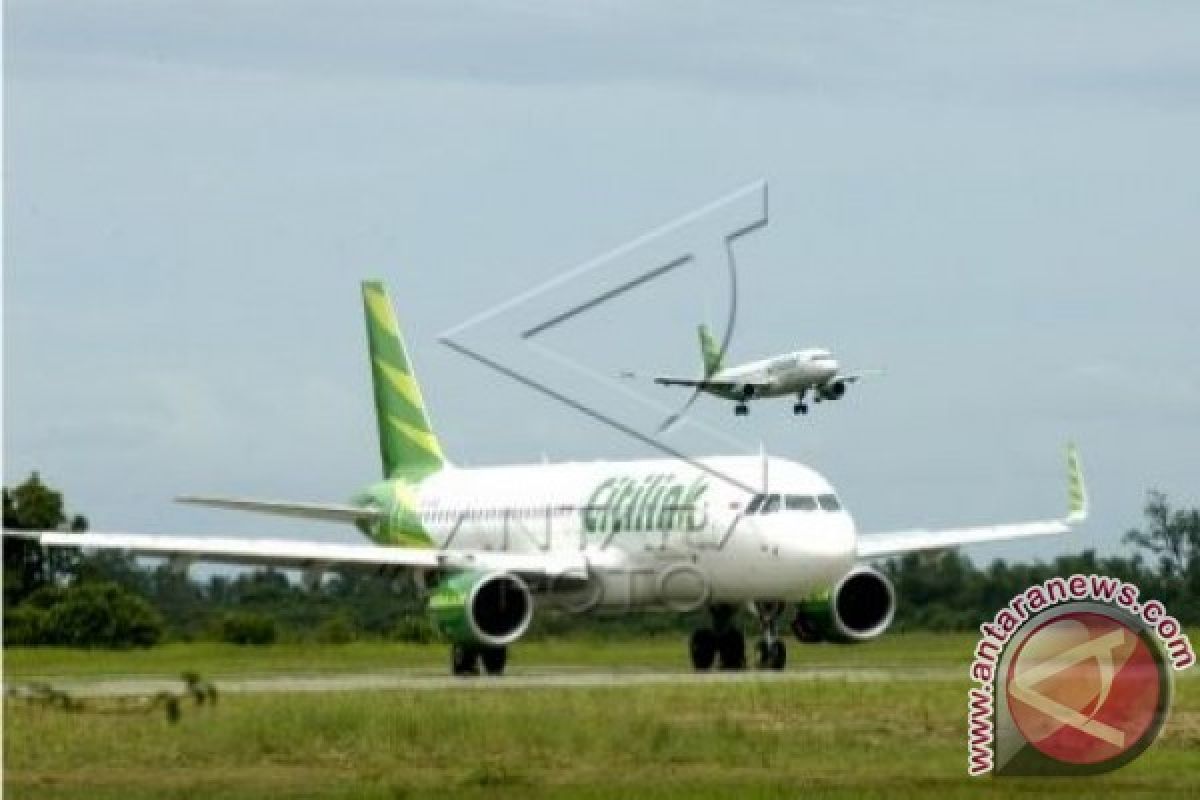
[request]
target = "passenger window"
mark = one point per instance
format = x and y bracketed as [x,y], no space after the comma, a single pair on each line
[801,502]
[771,505]
[829,502]
[755,504]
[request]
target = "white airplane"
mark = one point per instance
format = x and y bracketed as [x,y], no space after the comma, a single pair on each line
[796,373]
[490,544]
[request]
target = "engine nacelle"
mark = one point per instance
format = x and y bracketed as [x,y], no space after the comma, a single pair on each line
[482,608]
[859,607]
[833,391]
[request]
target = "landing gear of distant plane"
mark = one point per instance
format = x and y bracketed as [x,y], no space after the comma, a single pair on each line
[800,407]
[743,398]
[770,649]
[722,644]
[465,659]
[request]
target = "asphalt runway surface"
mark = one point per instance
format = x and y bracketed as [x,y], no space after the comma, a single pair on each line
[516,678]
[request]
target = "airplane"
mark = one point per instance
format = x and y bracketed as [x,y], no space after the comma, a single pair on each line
[491,544]
[800,372]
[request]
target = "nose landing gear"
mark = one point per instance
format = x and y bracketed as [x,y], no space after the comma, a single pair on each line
[770,649]
[724,646]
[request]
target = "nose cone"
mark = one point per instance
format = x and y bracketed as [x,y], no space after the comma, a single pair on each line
[821,545]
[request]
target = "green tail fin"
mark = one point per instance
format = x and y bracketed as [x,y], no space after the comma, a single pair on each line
[709,352]
[1077,495]
[409,447]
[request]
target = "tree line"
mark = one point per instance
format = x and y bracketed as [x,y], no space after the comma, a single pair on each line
[110,599]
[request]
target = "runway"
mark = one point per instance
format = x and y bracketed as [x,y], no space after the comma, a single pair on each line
[516,678]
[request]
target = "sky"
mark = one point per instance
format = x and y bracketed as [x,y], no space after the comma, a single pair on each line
[998,205]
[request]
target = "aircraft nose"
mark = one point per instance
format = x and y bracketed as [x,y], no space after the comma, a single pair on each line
[823,545]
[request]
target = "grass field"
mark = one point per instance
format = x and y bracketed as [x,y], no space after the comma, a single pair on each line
[793,739]
[215,660]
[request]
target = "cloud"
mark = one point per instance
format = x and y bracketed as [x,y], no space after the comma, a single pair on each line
[936,52]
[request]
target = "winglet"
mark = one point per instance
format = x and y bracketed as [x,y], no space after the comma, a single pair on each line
[1077,496]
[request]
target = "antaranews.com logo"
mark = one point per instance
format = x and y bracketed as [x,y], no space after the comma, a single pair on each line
[1075,678]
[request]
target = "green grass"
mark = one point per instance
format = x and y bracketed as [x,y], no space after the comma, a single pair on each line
[216,660]
[747,740]
[770,740]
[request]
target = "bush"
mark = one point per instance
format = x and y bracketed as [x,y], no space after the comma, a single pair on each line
[24,625]
[84,615]
[336,630]
[415,629]
[245,627]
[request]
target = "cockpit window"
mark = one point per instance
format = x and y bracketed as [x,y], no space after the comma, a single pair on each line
[801,502]
[772,504]
[755,503]
[829,502]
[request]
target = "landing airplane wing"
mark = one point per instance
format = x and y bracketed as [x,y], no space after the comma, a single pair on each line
[290,553]
[851,377]
[696,384]
[724,386]
[879,545]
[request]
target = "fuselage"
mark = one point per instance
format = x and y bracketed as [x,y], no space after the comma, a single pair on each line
[650,531]
[790,373]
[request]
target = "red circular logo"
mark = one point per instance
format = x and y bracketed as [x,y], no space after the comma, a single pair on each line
[1084,688]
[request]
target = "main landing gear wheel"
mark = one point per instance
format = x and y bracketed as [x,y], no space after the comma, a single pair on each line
[800,407]
[494,659]
[703,649]
[741,410]
[722,645]
[731,649]
[465,659]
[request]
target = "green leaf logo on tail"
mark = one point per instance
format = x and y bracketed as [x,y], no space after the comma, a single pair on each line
[407,443]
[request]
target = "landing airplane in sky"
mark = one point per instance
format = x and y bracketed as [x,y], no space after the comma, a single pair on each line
[797,373]
[490,543]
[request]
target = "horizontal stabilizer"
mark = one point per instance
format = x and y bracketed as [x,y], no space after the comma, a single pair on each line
[328,512]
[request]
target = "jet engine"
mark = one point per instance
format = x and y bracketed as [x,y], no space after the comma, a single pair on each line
[859,607]
[833,391]
[492,609]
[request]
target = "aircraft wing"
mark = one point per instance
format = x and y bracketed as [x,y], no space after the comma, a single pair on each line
[291,553]
[877,545]
[851,377]
[899,542]
[696,384]
[321,511]
[727,386]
